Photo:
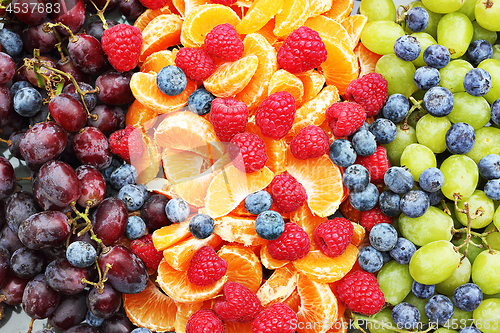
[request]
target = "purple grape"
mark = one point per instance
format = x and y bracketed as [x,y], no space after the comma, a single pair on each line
[43,142]
[70,311]
[7,178]
[65,278]
[45,229]
[110,220]
[20,206]
[39,300]
[4,264]
[119,323]
[106,303]
[59,182]
[26,263]
[13,289]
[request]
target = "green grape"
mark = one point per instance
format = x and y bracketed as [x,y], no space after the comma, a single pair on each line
[443,6]
[452,76]
[415,117]
[487,316]
[479,205]
[395,282]
[379,36]
[496,218]
[493,239]
[398,73]
[486,271]
[378,10]
[419,95]
[417,158]
[468,9]
[487,14]
[460,176]
[492,66]
[432,226]
[482,33]
[472,110]
[496,52]
[473,251]
[497,295]
[431,132]
[434,262]
[433,19]
[420,304]
[404,137]
[459,320]
[487,142]
[385,317]
[460,276]
[425,40]
[455,33]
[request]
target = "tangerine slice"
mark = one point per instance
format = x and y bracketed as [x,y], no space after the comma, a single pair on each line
[354,25]
[151,309]
[158,60]
[349,212]
[318,7]
[238,327]
[163,187]
[238,229]
[140,116]
[307,221]
[340,10]
[327,27]
[286,81]
[275,150]
[243,266]
[279,286]
[240,211]
[179,255]
[293,14]
[321,268]
[184,311]
[231,78]
[162,32]
[367,59]
[359,234]
[293,300]
[313,83]
[340,326]
[258,15]
[148,15]
[268,261]
[177,285]
[169,235]
[148,165]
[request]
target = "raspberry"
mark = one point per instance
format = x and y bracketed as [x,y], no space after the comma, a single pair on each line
[196,63]
[275,115]
[278,318]
[122,44]
[206,267]
[248,152]
[345,118]
[360,292]
[239,304]
[224,42]
[370,91]
[224,2]
[293,244]
[311,142]
[229,117]
[145,249]
[333,236]
[302,50]
[154,4]
[127,143]
[373,217]
[205,321]
[376,164]
[288,194]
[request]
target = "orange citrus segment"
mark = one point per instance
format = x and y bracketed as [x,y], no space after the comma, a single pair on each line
[367,59]
[275,150]
[243,266]
[158,60]
[149,14]
[307,221]
[184,311]
[286,81]
[171,234]
[148,165]
[280,285]
[293,300]
[238,229]
[313,83]
[177,285]
[162,32]
[181,164]
[340,326]
[268,261]
[327,27]
[292,16]
[140,116]
[258,15]
[267,32]
[354,25]
[151,309]
[238,327]
[359,234]
[179,255]
[319,6]
[340,9]
[321,268]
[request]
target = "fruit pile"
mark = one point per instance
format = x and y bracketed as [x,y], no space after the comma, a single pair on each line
[189,169]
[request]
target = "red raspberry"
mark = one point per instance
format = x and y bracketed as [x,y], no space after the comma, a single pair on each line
[224,2]
[206,267]
[345,118]
[239,304]
[311,142]
[373,217]
[205,321]
[145,249]
[196,63]
[288,194]
[224,42]
[360,292]
[154,4]
[278,318]
[302,50]
[376,164]
[370,91]
[293,244]
[248,152]
[127,143]
[333,236]
[229,117]
[275,115]
[122,44]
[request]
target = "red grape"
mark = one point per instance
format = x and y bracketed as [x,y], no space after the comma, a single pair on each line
[95,28]
[4,264]
[39,300]
[45,229]
[69,67]
[59,182]
[16,123]
[41,198]
[7,178]
[104,303]
[92,148]
[85,328]
[119,323]
[26,263]
[131,9]
[6,107]
[65,278]
[68,112]
[9,240]
[43,142]
[109,119]
[110,220]
[93,186]
[30,73]
[114,88]
[20,206]
[153,212]
[13,289]
[7,68]
[35,38]
[70,311]
[90,99]
[87,54]
[71,14]
[31,12]
[15,139]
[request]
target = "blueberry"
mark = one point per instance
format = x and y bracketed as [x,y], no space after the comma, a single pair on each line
[403,251]
[136,227]
[93,320]
[414,203]
[478,51]
[386,257]
[115,164]
[201,226]
[396,108]
[365,200]
[269,225]
[27,102]
[141,330]
[171,80]
[426,77]
[477,82]
[431,180]
[132,196]
[200,101]
[12,44]
[406,316]
[383,237]
[423,291]
[370,259]
[389,203]
[489,166]
[438,101]
[124,175]
[495,112]
[177,210]
[364,142]
[467,297]
[407,48]
[417,19]
[81,254]
[398,179]
[18,86]
[144,190]
[492,189]
[342,153]
[460,138]
[436,56]
[439,309]
[256,203]
[356,178]
[434,197]
[470,329]
[384,130]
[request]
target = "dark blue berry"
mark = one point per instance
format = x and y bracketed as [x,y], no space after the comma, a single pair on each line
[136,227]
[201,226]
[141,330]
[398,179]
[383,237]
[467,297]
[436,56]
[364,200]
[370,259]
[177,210]
[364,142]
[477,82]
[27,102]
[460,138]
[431,180]
[396,108]
[438,101]
[81,254]
[407,48]
[389,203]
[124,175]
[489,166]
[423,291]
[200,101]
[115,164]
[384,130]
[417,19]
[356,178]
[132,196]
[269,225]
[495,112]
[403,251]
[18,86]
[414,203]
[478,51]
[470,329]
[12,44]
[171,80]
[93,320]
[426,77]
[439,309]
[385,256]
[145,191]
[342,153]
[405,316]
[492,189]
[256,203]
[434,197]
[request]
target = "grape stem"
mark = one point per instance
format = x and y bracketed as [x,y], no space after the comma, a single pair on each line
[417,105]
[48,27]
[8,142]
[357,318]
[88,223]
[445,207]
[401,14]
[30,328]
[100,13]
[102,278]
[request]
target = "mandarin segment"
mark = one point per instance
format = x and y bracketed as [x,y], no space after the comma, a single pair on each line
[268,261]
[275,150]
[258,15]
[179,255]
[313,83]
[184,311]
[156,61]
[267,32]
[327,27]
[307,221]
[238,230]
[359,234]
[354,25]
[318,7]
[279,286]
[148,15]
[148,164]
[140,116]
[367,59]
[340,10]
[292,16]
[169,235]
[162,32]
[243,266]
[286,81]
[293,300]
